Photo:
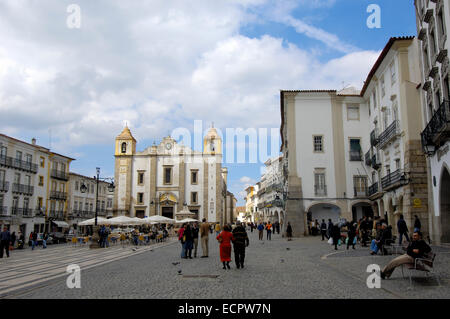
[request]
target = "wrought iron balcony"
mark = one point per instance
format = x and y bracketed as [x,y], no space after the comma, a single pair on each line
[18,164]
[320,190]
[101,212]
[56,214]
[62,175]
[368,158]
[4,211]
[27,213]
[437,131]
[58,195]
[393,178]
[4,186]
[355,156]
[23,189]
[373,189]
[388,134]
[376,163]
[374,138]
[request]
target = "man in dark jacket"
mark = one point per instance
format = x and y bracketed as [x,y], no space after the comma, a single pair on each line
[239,243]
[330,225]
[195,231]
[5,238]
[417,248]
[402,230]
[323,229]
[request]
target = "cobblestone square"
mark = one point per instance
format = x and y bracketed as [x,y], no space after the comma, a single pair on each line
[301,268]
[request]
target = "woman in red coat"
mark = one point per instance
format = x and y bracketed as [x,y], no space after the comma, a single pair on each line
[225,238]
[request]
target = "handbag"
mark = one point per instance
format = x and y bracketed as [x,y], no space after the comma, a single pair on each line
[330,241]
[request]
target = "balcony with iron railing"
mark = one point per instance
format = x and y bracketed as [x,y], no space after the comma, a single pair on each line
[4,186]
[62,175]
[373,189]
[437,131]
[58,195]
[388,134]
[320,190]
[23,189]
[355,156]
[392,179]
[4,211]
[18,164]
[56,214]
[101,212]
[374,138]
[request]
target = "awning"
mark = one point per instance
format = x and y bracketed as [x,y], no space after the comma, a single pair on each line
[61,223]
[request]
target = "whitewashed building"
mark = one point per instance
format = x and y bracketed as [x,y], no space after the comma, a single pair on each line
[81,206]
[162,179]
[33,186]
[323,134]
[433,25]
[397,164]
[271,186]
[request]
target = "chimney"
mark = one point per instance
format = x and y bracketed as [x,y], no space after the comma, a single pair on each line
[33,141]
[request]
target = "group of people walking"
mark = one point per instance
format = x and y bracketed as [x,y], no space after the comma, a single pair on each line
[188,235]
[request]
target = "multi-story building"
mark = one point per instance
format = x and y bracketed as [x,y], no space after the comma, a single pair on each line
[33,184]
[163,178]
[251,203]
[324,170]
[81,206]
[433,26]
[271,186]
[397,164]
[326,173]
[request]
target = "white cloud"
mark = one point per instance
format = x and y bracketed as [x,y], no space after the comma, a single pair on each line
[156,65]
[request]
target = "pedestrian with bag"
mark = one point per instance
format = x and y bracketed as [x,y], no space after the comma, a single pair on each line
[182,240]
[240,242]
[336,235]
[225,238]
[351,239]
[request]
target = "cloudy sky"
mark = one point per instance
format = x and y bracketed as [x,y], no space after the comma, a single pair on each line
[161,64]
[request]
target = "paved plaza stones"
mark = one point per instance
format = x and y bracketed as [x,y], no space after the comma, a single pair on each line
[302,268]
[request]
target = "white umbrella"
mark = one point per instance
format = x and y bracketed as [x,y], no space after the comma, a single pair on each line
[90,222]
[121,220]
[187,220]
[158,219]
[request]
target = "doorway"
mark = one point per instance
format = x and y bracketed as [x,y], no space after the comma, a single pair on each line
[444,198]
[167,212]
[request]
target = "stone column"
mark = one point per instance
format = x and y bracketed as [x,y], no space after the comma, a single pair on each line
[294,207]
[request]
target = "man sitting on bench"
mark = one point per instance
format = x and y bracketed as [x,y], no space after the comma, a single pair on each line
[417,248]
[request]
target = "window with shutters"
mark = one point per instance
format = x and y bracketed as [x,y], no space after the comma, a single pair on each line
[320,185]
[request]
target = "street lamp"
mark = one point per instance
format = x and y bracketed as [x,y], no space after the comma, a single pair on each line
[83,188]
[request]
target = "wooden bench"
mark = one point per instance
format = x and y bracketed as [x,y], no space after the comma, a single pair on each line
[422,264]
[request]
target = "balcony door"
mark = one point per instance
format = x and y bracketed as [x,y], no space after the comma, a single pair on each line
[445,206]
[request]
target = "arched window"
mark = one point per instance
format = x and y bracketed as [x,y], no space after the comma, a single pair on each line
[124,147]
